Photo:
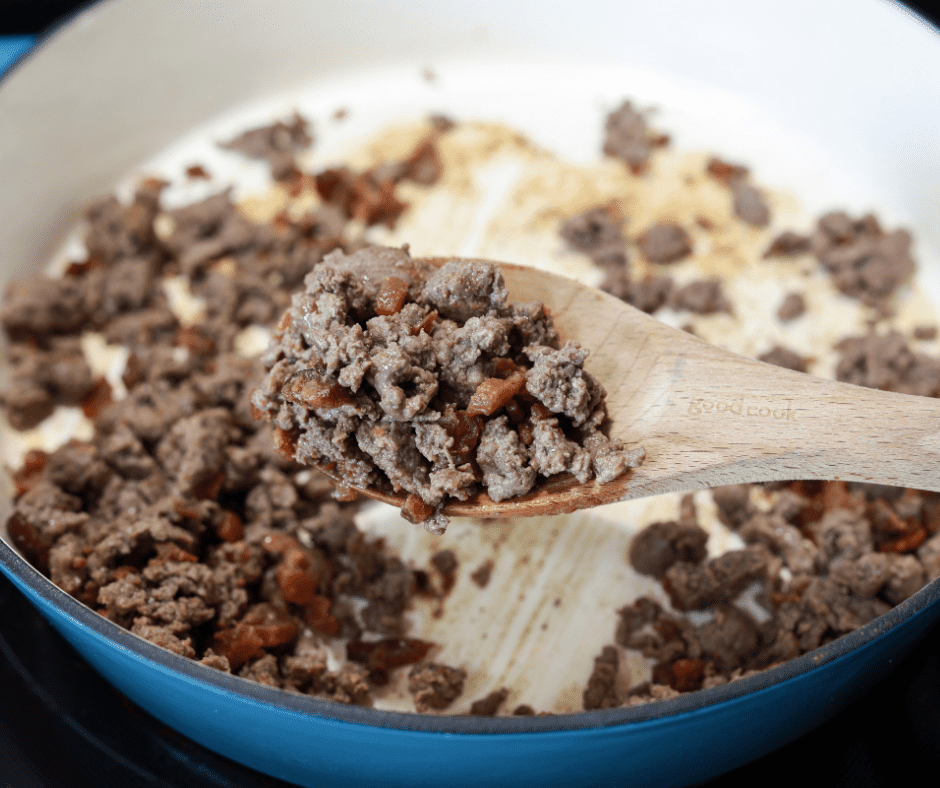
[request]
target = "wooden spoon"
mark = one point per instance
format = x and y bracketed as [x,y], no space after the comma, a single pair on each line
[708,417]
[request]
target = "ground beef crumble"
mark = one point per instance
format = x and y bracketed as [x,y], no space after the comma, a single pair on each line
[864,261]
[179,520]
[827,557]
[849,553]
[400,375]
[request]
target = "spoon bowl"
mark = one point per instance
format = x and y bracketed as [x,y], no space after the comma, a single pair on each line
[708,417]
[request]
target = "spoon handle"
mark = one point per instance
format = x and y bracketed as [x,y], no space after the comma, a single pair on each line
[708,417]
[723,419]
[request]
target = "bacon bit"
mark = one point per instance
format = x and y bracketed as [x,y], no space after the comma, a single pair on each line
[124,571]
[170,551]
[231,528]
[724,171]
[445,562]
[705,223]
[281,220]
[210,487]
[344,494]
[493,393]
[97,398]
[885,521]
[133,371]
[360,196]
[305,388]
[194,341]
[931,517]
[334,185]
[379,205]
[301,573]
[540,411]
[835,495]
[187,510]
[526,434]
[89,594]
[197,171]
[392,296]
[687,674]
[504,367]
[263,626]
[317,615]
[297,586]
[80,268]
[285,442]
[78,562]
[284,323]
[382,655]
[906,543]
[515,412]
[25,537]
[415,510]
[778,598]
[33,464]
[427,324]
[466,430]
[279,543]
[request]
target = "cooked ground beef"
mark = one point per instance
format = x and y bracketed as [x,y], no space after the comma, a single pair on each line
[665,243]
[629,137]
[489,705]
[788,244]
[404,376]
[849,552]
[792,307]
[703,297]
[601,690]
[780,356]
[179,520]
[750,205]
[435,686]
[660,545]
[278,144]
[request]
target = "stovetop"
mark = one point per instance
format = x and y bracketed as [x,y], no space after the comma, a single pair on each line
[63,726]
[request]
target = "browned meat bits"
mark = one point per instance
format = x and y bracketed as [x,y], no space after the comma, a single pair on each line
[401,375]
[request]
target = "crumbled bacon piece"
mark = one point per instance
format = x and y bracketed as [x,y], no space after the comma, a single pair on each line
[392,296]
[493,393]
[383,655]
[307,389]
[263,626]
[415,510]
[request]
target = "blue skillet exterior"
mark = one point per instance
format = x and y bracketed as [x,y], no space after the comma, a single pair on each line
[317,743]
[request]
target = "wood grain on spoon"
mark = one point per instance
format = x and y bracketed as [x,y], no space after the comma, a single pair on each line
[708,417]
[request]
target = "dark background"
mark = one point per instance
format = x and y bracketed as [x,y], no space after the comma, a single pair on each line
[33,16]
